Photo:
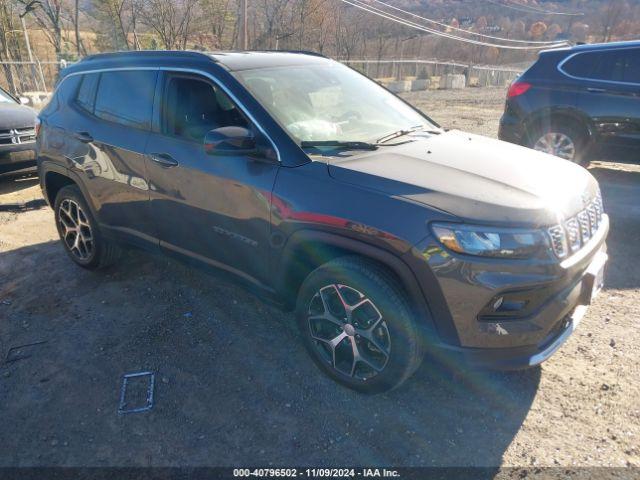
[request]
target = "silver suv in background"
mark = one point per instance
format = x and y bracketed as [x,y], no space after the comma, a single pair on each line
[17,135]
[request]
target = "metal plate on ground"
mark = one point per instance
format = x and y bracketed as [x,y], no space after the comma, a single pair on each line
[136,393]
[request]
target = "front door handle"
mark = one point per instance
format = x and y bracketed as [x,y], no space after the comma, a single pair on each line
[163,159]
[596,90]
[84,137]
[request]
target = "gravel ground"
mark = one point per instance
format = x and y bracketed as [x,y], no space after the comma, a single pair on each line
[472,110]
[235,387]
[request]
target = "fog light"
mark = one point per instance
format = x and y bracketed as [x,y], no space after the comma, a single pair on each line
[509,305]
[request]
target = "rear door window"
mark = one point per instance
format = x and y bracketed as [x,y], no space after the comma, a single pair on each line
[126,97]
[86,94]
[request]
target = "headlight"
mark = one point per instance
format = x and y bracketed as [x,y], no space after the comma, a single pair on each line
[490,241]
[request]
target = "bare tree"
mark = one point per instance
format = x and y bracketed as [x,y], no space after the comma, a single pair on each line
[9,46]
[614,11]
[348,32]
[218,16]
[171,20]
[48,16]
[275,26]
[116,17]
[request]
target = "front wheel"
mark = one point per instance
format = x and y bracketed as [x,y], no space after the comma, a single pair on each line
[358,325]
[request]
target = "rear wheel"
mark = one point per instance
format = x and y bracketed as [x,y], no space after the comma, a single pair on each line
[566,141]
[79,231]
[358,326]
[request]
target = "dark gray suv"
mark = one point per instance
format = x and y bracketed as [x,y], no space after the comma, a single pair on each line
[326,194]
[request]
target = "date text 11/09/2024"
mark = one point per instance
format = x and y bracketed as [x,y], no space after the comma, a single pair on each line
[316,472]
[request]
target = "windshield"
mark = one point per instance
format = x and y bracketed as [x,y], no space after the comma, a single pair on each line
[5,98]
[330,102]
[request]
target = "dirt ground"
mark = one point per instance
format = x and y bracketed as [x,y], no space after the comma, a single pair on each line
[235,387]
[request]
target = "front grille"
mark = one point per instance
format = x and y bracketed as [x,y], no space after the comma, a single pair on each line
[573,234]
[576,231]
[558,240]
[17,136]
[585,227]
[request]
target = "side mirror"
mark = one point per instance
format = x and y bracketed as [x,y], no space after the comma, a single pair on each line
[230,141]
[24,100]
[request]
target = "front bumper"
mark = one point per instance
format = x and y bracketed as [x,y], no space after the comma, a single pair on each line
[462,293]
[16,157]
[511,129]
[579,297]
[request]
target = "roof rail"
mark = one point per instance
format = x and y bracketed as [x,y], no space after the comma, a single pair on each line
[302,52]
[144,53]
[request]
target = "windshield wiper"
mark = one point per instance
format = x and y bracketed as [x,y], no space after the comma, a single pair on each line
[346,145]
[403,132]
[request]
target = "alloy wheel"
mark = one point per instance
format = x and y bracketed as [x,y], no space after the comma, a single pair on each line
[349,332]
[75,229]
[557,144]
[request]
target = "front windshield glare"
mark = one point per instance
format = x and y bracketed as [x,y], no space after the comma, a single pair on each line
[329,102]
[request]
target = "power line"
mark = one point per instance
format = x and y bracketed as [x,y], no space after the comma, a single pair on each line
[530,9]
[462,29]
[395,18]
[376,11]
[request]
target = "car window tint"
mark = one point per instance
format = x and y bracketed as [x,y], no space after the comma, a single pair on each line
[86,95]
[192,107]
[580,65]
[632,68]
[126,97]
[614,65]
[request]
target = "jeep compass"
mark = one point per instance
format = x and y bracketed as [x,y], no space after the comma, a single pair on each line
[320,190]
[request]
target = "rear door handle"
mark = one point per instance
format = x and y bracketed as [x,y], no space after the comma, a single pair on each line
[163,159]
[596,90]
[84,137]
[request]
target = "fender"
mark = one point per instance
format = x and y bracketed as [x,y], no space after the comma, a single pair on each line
[47,166]
[332,242]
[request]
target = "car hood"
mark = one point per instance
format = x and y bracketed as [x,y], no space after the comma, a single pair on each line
[473,177]
[16,116]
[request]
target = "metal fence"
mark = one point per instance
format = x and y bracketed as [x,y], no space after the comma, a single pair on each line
[486,75]
[18,77]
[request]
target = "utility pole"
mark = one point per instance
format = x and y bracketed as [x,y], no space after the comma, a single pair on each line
[26,36]
[244,44]
[77,14]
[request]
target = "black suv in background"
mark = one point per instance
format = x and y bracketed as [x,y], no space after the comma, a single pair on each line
[327,194]
[577,101]
[17,135]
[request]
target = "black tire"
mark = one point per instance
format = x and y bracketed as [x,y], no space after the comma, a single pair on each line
[102,253]
[575,133]
[356,275]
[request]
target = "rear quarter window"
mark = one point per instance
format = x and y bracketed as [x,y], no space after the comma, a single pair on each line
[580,65]
[126,97]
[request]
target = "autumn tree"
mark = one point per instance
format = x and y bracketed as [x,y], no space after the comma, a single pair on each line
[537,30]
